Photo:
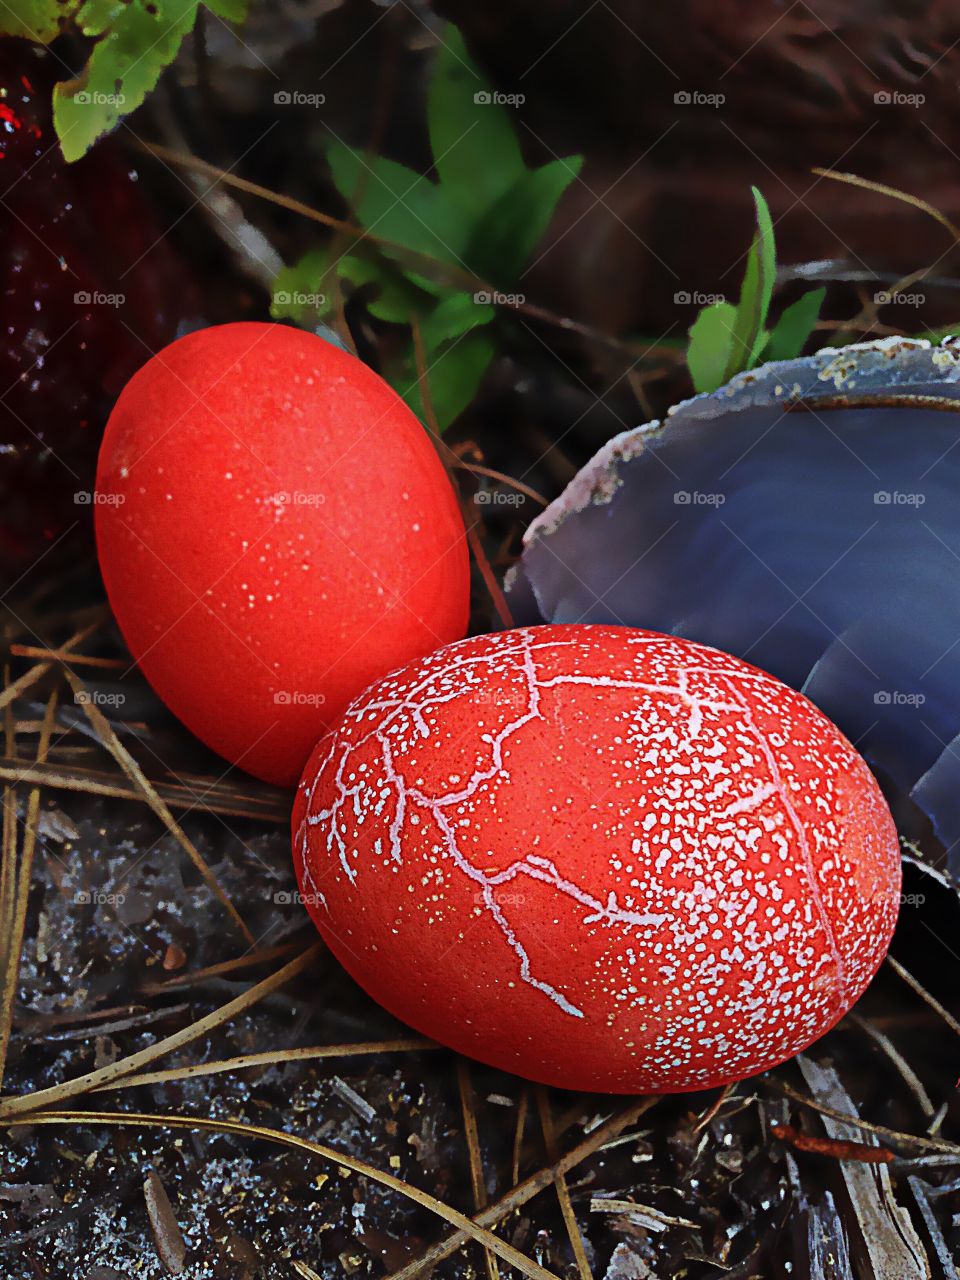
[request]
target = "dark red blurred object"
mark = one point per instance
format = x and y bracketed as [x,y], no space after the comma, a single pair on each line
[90,290]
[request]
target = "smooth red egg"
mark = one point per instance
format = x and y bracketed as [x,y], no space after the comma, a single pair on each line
[275,531]
[602,858]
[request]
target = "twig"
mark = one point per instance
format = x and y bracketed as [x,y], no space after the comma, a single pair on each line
[925,995]
[139,779]
[193,977]
[909,1076]
[64,655]
[503,478]
[463,279]
[834,1147]
[8,852]
[142,1120]
[713,1110]
[473,1152]
[882,189]
[868,312]
[14,947]
[303,1270]
[530,1187]
[14,689]
[217,797]
[881,1130]
[270,1059]
[490,581]
[523,1107]
[29,1102]
[473,538]
[560,1183]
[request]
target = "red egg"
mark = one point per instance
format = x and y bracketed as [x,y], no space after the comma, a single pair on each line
[602,858]
[275,530]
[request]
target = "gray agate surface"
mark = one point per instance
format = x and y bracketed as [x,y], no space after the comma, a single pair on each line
[805,517]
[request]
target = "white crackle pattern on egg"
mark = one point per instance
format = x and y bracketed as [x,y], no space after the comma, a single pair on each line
[600,857]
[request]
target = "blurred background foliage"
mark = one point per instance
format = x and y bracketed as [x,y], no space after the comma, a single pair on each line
[550,218]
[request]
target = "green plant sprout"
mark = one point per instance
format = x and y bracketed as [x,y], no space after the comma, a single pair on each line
[479,218]
[727,339]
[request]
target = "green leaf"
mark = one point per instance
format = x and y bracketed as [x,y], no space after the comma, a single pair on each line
[37,20]
[474,143]
[397,203]
[457,314]
[124,66]
[795,326]
[229,10]
[453,375]
[306,290]
[755,293]
[934,335]
[485,215]
[395,298]
[299,291]
[510,231]
[97,16]
[710,347]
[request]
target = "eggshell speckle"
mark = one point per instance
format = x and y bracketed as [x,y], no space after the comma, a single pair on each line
[275,530]
[599,857]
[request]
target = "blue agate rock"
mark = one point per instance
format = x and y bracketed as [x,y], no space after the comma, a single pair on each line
[805,517]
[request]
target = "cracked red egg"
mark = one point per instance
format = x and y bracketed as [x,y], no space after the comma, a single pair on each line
[598,857]
[275,531]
